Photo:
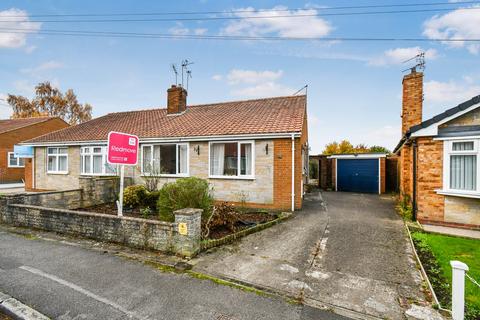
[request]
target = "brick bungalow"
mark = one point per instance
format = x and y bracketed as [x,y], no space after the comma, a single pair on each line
[439,159]
[248,150]
[13,131]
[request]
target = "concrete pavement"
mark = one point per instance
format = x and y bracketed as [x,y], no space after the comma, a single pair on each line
[348,252]
[66,282]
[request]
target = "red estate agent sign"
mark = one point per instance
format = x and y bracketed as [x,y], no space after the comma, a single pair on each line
[122,148]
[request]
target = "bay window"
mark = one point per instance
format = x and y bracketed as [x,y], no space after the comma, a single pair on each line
[57,160]
[93,161]
[231,159]
[15,162]
[461,166]
[165,159]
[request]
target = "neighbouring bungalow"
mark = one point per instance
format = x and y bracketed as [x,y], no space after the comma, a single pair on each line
[253,151]
[440,159]
[13,131]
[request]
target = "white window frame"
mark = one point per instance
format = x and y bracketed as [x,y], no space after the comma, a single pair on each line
[56,156]
[447,153]
[238,176]
[91,154]
[177,145]
[18,161]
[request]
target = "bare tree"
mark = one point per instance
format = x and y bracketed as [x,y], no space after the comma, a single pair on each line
[50,101]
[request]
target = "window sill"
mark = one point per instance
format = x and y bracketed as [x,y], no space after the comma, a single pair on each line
[143,175]
[59,172]
[459,193]
[98,174]
[232,177]
[16,167]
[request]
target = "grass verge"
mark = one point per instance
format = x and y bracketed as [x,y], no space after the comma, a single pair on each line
[436,251]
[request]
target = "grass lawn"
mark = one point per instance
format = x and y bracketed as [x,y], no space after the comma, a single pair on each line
[446,248]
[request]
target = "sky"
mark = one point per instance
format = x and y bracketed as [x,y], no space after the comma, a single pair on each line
[354,87]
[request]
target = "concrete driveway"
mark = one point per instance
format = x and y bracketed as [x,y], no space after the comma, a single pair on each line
[346,251]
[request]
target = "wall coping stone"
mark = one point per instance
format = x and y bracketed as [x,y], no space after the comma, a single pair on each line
[93,214]
[34,193]
[187,211]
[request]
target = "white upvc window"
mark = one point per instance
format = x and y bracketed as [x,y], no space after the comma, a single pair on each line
[461,167]
[57,160]
[232,159]
[15,162]
[93,161]
[166,159]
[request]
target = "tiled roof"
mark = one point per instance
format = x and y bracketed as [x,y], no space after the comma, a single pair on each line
[14,124]
[439,117]
[270,115]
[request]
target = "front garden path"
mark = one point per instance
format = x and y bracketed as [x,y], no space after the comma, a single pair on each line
[346,251]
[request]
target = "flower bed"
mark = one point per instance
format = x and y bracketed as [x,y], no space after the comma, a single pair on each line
[435,251]
[211,243]
[246,220]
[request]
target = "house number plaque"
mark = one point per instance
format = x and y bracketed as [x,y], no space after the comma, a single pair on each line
[182,228]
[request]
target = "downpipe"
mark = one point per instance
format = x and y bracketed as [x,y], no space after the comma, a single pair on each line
[414,174]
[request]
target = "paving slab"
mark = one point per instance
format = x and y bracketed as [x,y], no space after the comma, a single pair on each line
[466,233]
[343,250]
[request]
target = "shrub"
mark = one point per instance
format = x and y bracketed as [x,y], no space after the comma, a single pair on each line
[150,200]
[133,196]
[184,193]
[145,212]
[404,207]
[222,215]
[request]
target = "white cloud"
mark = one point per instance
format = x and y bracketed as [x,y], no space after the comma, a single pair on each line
[5,109]
[283,25]
[254,84]
[399,55]
[458,24]
[386,136]
[236,76]
[15,19]
[450,92]
[46,66]
[266,89]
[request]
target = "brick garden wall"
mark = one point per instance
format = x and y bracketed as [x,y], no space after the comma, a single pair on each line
[133,232]
[95,190]
[49,211]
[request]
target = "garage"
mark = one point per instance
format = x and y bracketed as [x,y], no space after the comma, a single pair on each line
[361,173]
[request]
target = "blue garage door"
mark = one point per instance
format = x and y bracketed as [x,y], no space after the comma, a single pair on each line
[357,175]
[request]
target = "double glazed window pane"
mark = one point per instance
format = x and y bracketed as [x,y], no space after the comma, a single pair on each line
[165,159]
[12,160]
[462,146]
[147,159]
[182,159]
[97,164]
[62,163]
[225,159]
[463,172]
[52,164]
[246,159]
[94,161]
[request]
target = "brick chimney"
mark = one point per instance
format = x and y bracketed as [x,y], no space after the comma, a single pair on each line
[412,100]
[176,100]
